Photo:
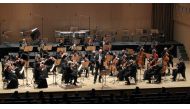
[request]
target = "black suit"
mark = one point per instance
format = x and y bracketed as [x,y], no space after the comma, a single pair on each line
[130,72]
[99,67]
[181,68]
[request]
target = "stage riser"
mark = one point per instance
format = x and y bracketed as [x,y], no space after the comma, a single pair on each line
[147,47]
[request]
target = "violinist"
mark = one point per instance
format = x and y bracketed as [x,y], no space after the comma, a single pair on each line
[130,72]
[40,71]
[19,63]
[9,73]
[153,59]
[153,71]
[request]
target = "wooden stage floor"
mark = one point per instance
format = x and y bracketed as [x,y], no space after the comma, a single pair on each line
[86,84]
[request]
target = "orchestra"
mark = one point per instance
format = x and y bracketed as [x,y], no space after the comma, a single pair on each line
[122,65]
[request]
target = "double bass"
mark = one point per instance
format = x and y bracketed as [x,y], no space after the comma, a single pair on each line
[141,58]
[165,60]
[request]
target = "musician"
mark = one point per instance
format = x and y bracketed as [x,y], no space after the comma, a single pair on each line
[50,62]
[43,53]
[153,59]
[99,65]
[181,68]
[122,67]
[141,58]
[123,53]
[165,60]
[85,59]
[170,57]
[19,70]
[40,72]
[9,73]
[23,43]
[61,43]
[130,71]
[68,72]
[153,71]
[63,68]
[74,73]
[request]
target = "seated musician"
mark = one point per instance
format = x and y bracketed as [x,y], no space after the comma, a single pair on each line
[130,72]
[153,71]
[74,73]
[153,59]
[10,75]
[40,75]
[43,53]
[122,67]
[49,62]
[61,43]
[63,68]
[123,52]
[19,63]
[67,74]
[181,68]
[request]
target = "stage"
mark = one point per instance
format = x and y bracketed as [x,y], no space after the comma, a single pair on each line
[86,84]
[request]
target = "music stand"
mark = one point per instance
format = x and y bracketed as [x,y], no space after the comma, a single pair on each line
[107,47]
[104,73]
[27,49]
[61,49]
[84,66]
[47,48]
[90,48]
[77,48]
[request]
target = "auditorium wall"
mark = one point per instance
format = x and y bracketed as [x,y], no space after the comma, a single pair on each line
[182,25]
[106,17]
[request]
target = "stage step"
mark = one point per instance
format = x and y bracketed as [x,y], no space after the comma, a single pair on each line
[181,53]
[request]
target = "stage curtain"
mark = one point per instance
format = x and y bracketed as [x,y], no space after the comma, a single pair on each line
[162,18]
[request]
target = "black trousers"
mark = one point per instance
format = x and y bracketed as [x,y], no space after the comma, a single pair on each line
[96,75]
